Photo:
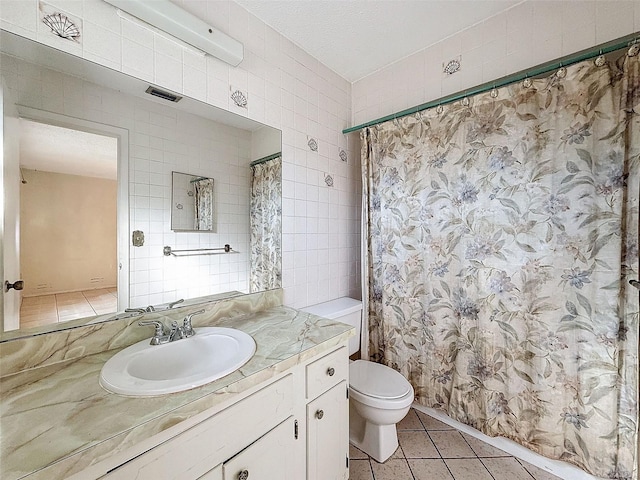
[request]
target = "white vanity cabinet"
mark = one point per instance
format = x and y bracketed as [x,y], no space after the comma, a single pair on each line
[291,427]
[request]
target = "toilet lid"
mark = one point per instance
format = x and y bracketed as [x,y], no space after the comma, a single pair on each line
[377,380]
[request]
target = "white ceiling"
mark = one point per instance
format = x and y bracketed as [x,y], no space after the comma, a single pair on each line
[50,148]
[357,37]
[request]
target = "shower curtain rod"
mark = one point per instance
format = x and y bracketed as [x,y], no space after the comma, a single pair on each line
[265,159]
[547,67]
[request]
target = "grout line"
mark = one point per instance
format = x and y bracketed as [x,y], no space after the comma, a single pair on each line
[526,469]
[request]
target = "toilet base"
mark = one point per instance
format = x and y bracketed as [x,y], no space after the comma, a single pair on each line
[377,441]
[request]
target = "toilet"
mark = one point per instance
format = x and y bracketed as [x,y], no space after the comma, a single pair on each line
[379,397]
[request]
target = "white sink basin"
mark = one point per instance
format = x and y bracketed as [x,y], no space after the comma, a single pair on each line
[144,370]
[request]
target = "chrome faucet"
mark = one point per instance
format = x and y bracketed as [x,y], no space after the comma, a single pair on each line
[159,336]
[177,332]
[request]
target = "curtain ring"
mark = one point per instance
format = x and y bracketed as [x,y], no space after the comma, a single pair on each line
[526,83]
[600,60]
[634,50]
[465,101]
[439,109]
[494,92]
[561,73]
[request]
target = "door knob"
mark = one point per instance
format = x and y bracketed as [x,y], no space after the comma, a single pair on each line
[331,371]
[243,475]
[319,414]
[18,285]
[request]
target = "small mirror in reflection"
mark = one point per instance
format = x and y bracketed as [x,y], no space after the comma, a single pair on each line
[192,203]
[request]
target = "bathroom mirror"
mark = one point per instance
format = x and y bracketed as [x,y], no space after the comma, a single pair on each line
[153,139]
[192,203]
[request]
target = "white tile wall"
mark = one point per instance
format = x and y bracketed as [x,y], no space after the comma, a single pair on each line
[532,32]
[287,89]
[162,140]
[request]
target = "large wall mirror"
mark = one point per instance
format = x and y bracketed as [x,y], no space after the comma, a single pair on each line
[90,175]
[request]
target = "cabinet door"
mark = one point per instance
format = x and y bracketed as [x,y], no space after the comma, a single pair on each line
[269,458]
[328,435]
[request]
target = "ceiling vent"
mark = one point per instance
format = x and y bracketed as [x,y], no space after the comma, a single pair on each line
[156,92]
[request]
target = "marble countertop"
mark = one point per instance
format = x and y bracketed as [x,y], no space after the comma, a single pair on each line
[57,420]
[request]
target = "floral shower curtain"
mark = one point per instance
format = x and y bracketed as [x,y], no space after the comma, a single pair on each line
[502,233]
[266,222]
[204,204]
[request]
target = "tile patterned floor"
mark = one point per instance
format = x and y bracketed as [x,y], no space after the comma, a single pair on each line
[432,450]
[47,309]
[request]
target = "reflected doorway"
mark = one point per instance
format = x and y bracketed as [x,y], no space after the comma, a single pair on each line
[68,223]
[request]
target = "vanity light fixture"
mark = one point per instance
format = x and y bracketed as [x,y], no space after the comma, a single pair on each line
[170,18]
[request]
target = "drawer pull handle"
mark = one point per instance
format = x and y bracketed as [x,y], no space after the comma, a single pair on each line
[331,371]
[319,414]
[243,475]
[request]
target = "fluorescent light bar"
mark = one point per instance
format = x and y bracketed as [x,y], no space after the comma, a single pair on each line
[172,19]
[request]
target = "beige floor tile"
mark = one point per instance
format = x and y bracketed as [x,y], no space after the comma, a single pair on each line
[96,293]
[431,423]
[39,300]
[103,305]
[506,468]
[417,444]
[537,472]
[398,453]
[104,311]
[37,309]
[360,470]
[467,469]
[429,469]
[394,469]
[37,321]
[71,297]
[357,454]
[74,316]
[483,449]
[451,444]
[410,422]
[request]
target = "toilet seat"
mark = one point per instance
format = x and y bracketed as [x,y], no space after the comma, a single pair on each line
[379,386]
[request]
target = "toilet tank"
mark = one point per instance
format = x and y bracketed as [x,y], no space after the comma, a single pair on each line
[346,310]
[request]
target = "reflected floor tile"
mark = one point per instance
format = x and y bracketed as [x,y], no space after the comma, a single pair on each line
[468,469]
[360,470]
[451,444]
[410,422]
[506,469]
[429,469]
[431,423]
[483,449]
[39,300]
[35,309]
[393,469]
[37,321]
[537,472]
[417,444]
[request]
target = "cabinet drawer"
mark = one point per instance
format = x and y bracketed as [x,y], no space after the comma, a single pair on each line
[326,372]
[214,440]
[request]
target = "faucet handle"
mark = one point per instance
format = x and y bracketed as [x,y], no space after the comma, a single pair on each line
[188,329]
[159,333]
[141,311]
[173,304]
